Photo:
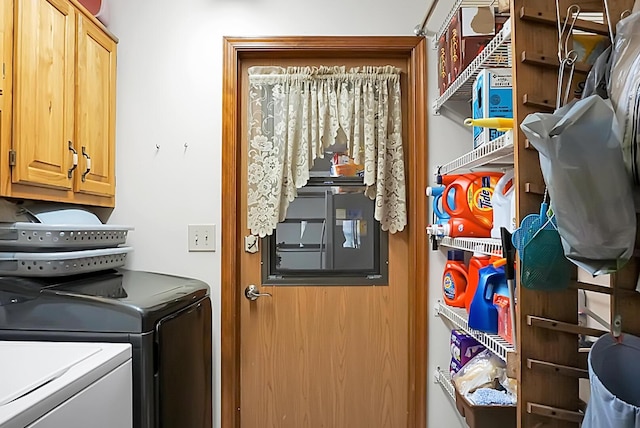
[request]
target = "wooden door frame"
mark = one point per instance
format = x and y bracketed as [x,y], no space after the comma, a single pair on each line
[237,49]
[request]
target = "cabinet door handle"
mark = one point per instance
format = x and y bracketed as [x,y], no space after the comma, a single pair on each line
[75,160]
[88,160]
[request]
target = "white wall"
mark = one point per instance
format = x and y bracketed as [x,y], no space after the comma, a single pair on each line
[169,94]
[448,139]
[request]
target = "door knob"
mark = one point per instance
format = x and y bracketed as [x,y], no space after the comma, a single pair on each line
[252,293]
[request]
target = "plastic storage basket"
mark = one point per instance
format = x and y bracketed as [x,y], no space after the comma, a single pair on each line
[24,236]
[62,263]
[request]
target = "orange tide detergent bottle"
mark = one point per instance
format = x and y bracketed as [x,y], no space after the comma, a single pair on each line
[472,193]
[454,279]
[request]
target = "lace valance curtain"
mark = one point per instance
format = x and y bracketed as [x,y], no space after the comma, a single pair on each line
[295,113]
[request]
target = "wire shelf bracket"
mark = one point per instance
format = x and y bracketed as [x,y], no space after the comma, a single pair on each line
[459,318]
[444,379]
[488,246]
[495,153]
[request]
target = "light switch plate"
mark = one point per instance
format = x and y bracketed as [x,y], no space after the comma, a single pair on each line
[251,244]
[202,237]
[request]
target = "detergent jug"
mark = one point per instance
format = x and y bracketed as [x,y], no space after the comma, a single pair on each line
[454,279]
[441,216]
[477,262]
[472,196]
[483,314]
[503,202]
[459,227]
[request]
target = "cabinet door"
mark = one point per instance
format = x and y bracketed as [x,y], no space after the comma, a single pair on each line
[43,92]
[184,368]
[107,403]
[6,62]
[95,110]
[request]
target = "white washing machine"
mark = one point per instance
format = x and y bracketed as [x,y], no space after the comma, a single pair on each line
[63,384]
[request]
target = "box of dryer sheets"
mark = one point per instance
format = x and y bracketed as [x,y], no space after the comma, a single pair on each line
[492,96]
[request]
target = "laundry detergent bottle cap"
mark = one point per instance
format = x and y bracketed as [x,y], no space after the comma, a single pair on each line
[434,191]
[477,262]
[454,279]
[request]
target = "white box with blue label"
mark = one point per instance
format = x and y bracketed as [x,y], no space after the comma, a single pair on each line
[492,97]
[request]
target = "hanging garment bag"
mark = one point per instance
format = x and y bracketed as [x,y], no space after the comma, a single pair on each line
[615,392]
[624,90]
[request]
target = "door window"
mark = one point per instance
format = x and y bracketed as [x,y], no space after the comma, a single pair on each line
[330,235]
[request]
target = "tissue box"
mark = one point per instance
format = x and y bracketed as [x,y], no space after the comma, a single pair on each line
[492,96]
[454,366]
[469,31]
[464,347]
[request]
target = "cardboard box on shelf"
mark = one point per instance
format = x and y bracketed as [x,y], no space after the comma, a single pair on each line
[469,32]
[443,64]
[464,347]
[504,317]
[454,367]
[503,6]
[477,21]
[501,18]
[492,96]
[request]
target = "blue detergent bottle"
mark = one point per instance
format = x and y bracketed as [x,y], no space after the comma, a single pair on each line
[441,216]
[483,315]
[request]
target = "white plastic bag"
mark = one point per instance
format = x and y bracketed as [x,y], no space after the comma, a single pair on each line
[599,76]
[479,372]
[582,164]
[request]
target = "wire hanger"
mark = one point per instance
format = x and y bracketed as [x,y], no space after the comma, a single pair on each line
[566,57]
[573,12]
[608,16]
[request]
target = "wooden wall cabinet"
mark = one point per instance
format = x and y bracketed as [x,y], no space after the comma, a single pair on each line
[57,139]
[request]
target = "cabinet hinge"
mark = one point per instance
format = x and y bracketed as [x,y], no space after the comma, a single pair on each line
[12,158]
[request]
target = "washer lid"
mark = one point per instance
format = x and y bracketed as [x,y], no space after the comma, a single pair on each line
[119,301]
[25,366]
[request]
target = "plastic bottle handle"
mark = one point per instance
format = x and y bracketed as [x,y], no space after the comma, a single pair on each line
[436,207]
[453,211]
[502,182]
[462,270]
[489,291]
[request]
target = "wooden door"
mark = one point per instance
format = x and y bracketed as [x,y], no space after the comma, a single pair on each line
[43,92]
[95,110]
[326,356]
